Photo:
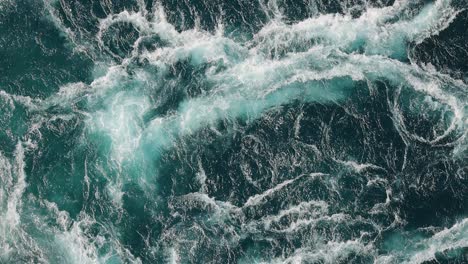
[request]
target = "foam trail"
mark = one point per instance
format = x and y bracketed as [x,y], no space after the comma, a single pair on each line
[455,237]
[422,250]
[359,167]
[249,102]
[371,31]
[13,179]
[257,199]
[14,201]
[248,82]
[7,182]
[332,252]
[306,212]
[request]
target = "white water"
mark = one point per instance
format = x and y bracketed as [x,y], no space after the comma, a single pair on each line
[245,80]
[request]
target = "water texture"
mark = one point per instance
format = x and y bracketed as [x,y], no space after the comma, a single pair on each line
[233,131]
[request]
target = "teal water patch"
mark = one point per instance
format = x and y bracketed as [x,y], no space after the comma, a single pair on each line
[263,132]
[34,52]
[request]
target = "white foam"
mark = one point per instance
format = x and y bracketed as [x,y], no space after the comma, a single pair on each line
[245,80]
[332,252]
[26,101]
[13,185]
[358,167]
[259,198]
[68,33]
[307,213]
[455,237]
[252,82]
[220,208]
[6,181]
[297,124]
[373,27]
[73,242]
[201,177]
[123,122]
[14,199]
[173,257]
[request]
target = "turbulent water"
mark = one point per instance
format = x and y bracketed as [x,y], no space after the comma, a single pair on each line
[233,131]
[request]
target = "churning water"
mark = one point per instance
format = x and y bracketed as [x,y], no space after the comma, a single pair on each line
[233,131]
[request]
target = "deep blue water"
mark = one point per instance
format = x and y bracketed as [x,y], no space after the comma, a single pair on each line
[216,131]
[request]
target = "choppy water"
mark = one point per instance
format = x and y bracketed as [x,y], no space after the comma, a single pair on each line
[233,131]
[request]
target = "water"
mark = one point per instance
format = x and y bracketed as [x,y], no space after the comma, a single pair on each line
[233,131]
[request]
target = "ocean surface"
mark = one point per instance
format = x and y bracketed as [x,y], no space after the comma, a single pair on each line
[233,131]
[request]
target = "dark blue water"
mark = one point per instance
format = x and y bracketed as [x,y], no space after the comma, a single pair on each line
[266,131]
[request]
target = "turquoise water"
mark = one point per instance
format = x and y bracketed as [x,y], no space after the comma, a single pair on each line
[238,131]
